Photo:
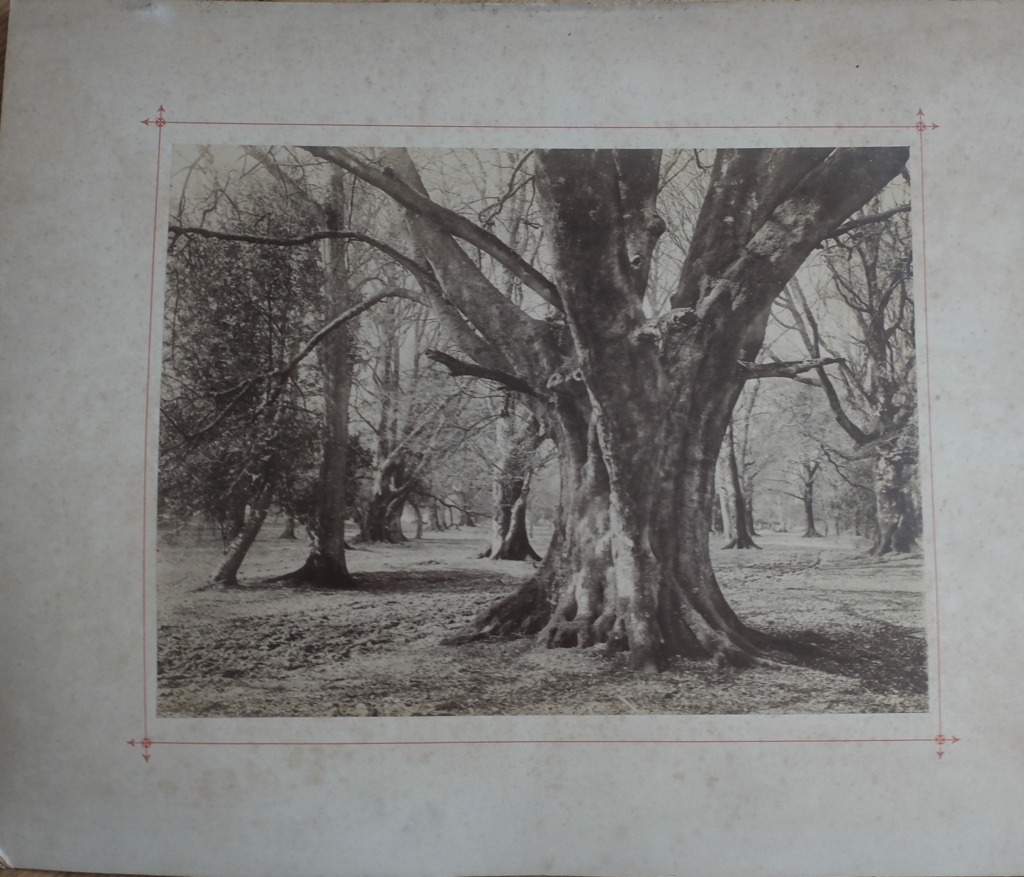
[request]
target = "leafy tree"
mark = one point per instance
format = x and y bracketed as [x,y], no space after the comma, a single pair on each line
[232,312]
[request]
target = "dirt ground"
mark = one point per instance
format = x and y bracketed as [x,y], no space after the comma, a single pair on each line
[266,649]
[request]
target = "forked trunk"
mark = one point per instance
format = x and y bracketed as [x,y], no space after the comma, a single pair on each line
[640,407]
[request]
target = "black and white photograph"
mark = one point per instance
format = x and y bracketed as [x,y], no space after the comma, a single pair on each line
[451,432]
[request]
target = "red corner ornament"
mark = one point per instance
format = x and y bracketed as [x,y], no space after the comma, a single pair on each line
[159,121]
[145,743]
[922,125]
[942,740]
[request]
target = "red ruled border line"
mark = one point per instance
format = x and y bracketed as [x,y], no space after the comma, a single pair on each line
[543,742]
[920,126]
[928,412]
[145,455]
[549,127]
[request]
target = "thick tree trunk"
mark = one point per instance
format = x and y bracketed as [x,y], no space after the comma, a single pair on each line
[227,572]
[641,409]
[660,601]
[894,507]
[391,491]
[383,522]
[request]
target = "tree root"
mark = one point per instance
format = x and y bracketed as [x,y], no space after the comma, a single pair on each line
[317,573]
[734,543]
[522,613]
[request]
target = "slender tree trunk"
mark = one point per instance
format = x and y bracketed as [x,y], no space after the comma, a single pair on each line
[742,538]
[726,505]
[235,522]
[227,572]
[326,566]
[419,519]
[436,524]
[748,496]
[466,518]
[810,531]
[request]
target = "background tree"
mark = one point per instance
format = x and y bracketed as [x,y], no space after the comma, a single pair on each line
[233,311]
[518,437]
[278,209]
[736,473]
[867,276]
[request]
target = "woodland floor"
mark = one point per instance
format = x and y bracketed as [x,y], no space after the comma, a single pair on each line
[273,649]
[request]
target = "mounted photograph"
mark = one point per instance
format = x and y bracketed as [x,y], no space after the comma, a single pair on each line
[539,431]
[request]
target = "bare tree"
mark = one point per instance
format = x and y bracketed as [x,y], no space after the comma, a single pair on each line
[639,408]
[868,265]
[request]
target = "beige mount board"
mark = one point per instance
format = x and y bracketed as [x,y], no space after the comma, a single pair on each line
[98,94]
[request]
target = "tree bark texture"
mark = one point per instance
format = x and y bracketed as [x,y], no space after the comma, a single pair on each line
[895,515]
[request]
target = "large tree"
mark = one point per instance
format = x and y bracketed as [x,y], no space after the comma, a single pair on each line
[868,265]
[638,407]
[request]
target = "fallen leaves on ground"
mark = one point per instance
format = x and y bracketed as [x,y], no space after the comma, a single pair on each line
[273,649]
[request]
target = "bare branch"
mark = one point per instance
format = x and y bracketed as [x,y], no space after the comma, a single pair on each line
[489,214]
[847,227]
[458,367]
[414,268]
[783,369]
[447,220]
